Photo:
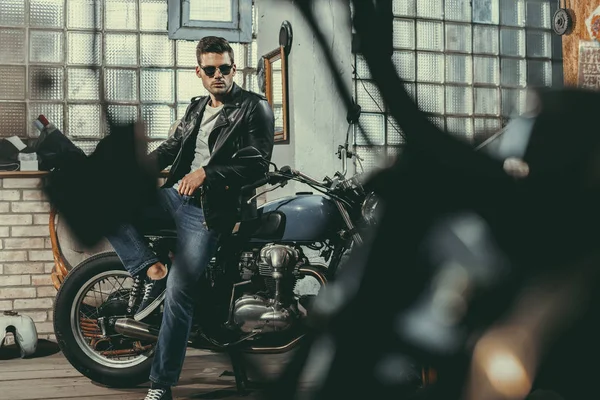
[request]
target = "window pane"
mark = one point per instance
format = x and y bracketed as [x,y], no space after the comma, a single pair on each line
[158,119]
[46,13]
[484,127]
[54,113]
[373,157]
[153,15]
[430,67]
[84,120]
[459,100]
[45,46]
[460,127]
[437,121]
[12,46]
[120,14]
[404,8]
[83,84]
[486,101]
[189,85]
[157,86]
[12,12]
[430,35]
[362,69]
[46,83]
[211,10]
[373,130]
[156,50]
[369,97]
[395,136]
[538,14]
[539,73]
[405,64]
[538,44]
[12,83]
[252,55]
[80,14]
[512,12]
[485,39]
[458,68]
[81,48]
[430,9]
[457,10]
[181,109]
[486,70]
[239,56]
[186,53]
[512,42]
[513,72]
[120,84]
[513,102]
[88,146]
[458,38]
[404,34]
[485,11]
[431,98]
[122,114]
[12,119]
[121,49]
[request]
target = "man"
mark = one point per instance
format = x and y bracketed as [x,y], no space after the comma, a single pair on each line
[202,195]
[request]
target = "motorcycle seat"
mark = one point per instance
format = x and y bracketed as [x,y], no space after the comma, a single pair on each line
[268,226]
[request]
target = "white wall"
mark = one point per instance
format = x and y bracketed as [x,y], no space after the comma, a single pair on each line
[317,114]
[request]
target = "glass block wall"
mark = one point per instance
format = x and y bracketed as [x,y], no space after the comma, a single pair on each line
[466,63]
[50,64]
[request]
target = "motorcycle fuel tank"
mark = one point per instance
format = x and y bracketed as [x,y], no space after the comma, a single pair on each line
[308,217]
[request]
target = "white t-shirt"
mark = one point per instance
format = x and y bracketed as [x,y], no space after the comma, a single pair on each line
[202,153]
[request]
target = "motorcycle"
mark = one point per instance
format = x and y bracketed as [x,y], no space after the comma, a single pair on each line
[260,284]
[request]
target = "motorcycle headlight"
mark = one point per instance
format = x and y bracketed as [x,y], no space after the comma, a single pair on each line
[369,208]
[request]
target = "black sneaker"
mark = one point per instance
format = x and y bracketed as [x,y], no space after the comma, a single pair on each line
[154,294]
[136,288]
[159,394]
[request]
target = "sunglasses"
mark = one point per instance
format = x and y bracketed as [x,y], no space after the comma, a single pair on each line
[211,70]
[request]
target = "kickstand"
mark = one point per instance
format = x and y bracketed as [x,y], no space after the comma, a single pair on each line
[239,371]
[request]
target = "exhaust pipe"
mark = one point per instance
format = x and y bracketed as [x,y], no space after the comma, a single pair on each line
[136,329]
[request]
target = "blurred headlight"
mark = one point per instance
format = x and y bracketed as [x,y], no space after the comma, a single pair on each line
[369,208]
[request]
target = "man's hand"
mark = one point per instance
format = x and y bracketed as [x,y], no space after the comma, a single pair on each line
[191,182]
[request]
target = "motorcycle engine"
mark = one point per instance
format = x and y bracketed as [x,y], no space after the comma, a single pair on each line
[272,310]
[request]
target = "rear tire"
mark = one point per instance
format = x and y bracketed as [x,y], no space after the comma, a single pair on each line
[107,372]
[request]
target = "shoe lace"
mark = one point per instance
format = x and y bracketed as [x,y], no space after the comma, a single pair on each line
[155,394]
[135,290]
[147,290]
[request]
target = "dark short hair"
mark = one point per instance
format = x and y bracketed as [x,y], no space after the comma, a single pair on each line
[213,44]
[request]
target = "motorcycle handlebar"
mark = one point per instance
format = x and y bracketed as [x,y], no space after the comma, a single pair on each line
[271,177]
[255,185]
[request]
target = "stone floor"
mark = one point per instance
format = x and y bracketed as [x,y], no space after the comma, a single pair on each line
[48,375]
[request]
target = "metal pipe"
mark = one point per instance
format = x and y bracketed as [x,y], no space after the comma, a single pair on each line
[355,236]
[274,350]
[231,302]
[135,329]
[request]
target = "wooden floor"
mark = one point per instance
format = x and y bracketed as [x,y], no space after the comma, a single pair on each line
[49,376]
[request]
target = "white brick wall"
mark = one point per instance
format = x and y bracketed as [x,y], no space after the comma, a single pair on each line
[25,252]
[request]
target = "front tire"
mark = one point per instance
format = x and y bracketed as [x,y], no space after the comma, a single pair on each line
[70,321]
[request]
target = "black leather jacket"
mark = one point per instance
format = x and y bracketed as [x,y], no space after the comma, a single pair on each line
[245,120]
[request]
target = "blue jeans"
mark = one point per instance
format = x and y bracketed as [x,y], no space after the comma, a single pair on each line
[196,245]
